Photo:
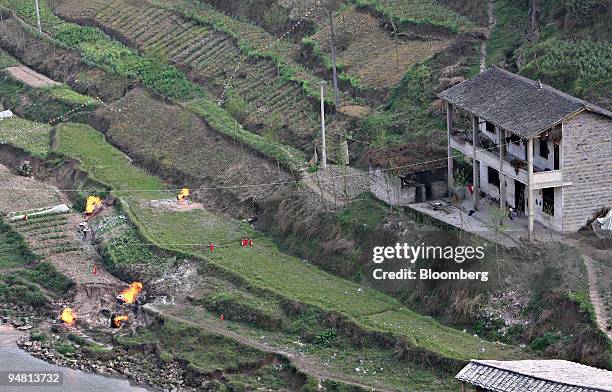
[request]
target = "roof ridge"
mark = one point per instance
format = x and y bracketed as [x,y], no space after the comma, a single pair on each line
[585,103]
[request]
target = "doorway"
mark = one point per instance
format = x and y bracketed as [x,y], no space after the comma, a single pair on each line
[519,196]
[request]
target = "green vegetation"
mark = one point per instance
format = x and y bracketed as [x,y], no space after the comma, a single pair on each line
[97,48]
[47,276]
[218,118]
[582,68]
[20,284]
[42,104]
[106,163]
[571,52]
[14,252]
[425,12]
[509,32]
[16,290]
[406,118]
[253,41]
[6,60]
[32,137]
[178,340]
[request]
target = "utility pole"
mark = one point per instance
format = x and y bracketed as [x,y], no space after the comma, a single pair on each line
[333,54]
[38,17]
[323,150]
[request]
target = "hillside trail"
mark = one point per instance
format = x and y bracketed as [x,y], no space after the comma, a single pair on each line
[601,316]
[600,313]
[489,29]
[301,362]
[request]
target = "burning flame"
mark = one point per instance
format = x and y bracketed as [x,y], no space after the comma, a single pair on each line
[130,294]
[92,203]
[68,316]
[119,319]
[183,195]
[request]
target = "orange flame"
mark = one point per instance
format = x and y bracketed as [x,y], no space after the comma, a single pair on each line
[118,320]
[183,195]
[68,316]
[92,203]
[130,294]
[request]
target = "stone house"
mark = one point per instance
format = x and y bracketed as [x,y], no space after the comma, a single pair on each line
[536,149]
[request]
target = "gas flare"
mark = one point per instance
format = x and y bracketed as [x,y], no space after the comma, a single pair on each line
[183,195]
[68,316]
[92,203]
[130,294]
[119,319]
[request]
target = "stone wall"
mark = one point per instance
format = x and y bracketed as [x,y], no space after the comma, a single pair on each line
[388,188]
[587,163]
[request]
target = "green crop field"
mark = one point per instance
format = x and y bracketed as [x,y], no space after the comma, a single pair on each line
[31,136]
[98,48]
[207,46]
[419,12]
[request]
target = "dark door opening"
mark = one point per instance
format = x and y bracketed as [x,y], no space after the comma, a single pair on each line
[556,152]
[519,196]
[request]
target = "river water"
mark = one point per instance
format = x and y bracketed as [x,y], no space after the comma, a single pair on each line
[13,358]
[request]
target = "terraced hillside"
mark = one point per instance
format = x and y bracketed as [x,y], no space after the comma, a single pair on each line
[257,92]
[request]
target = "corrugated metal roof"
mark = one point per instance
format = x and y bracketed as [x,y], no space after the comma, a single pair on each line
[516,103]
[536,376]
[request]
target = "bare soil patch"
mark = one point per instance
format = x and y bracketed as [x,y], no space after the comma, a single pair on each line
[30,77]
[371,53]
[22,193]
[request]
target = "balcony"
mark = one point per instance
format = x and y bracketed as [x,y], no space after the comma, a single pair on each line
[541,178]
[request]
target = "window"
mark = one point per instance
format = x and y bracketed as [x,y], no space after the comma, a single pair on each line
[489,127]
[548,201]
[544,148]
[492,176]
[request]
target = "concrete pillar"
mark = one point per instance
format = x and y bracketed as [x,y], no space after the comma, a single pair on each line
[530,192]
[475,163]
[449,152]
[502,156]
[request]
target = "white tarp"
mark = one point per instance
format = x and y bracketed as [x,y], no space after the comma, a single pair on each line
[59,209]
[6,114]
[606,221]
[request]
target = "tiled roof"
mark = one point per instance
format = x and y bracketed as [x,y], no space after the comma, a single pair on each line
[515,103]
[536,376]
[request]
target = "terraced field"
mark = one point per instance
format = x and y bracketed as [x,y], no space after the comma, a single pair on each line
[419,12]
[211,58]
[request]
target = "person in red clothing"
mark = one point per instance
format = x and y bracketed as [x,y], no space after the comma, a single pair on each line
[244,242]
[470,189]
[250,242]
[94,270]
[212,247]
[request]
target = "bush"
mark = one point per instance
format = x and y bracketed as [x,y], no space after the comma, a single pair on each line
[541,342]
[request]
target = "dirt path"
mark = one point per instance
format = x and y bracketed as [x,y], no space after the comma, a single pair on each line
[490,27]
[600,313]
[300,362]
[30,77]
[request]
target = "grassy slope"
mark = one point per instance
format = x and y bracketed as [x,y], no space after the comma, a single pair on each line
[99,49]
[31,136]
[42,104]
[6,60]
[573,54]
[263,265]
[426,12]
